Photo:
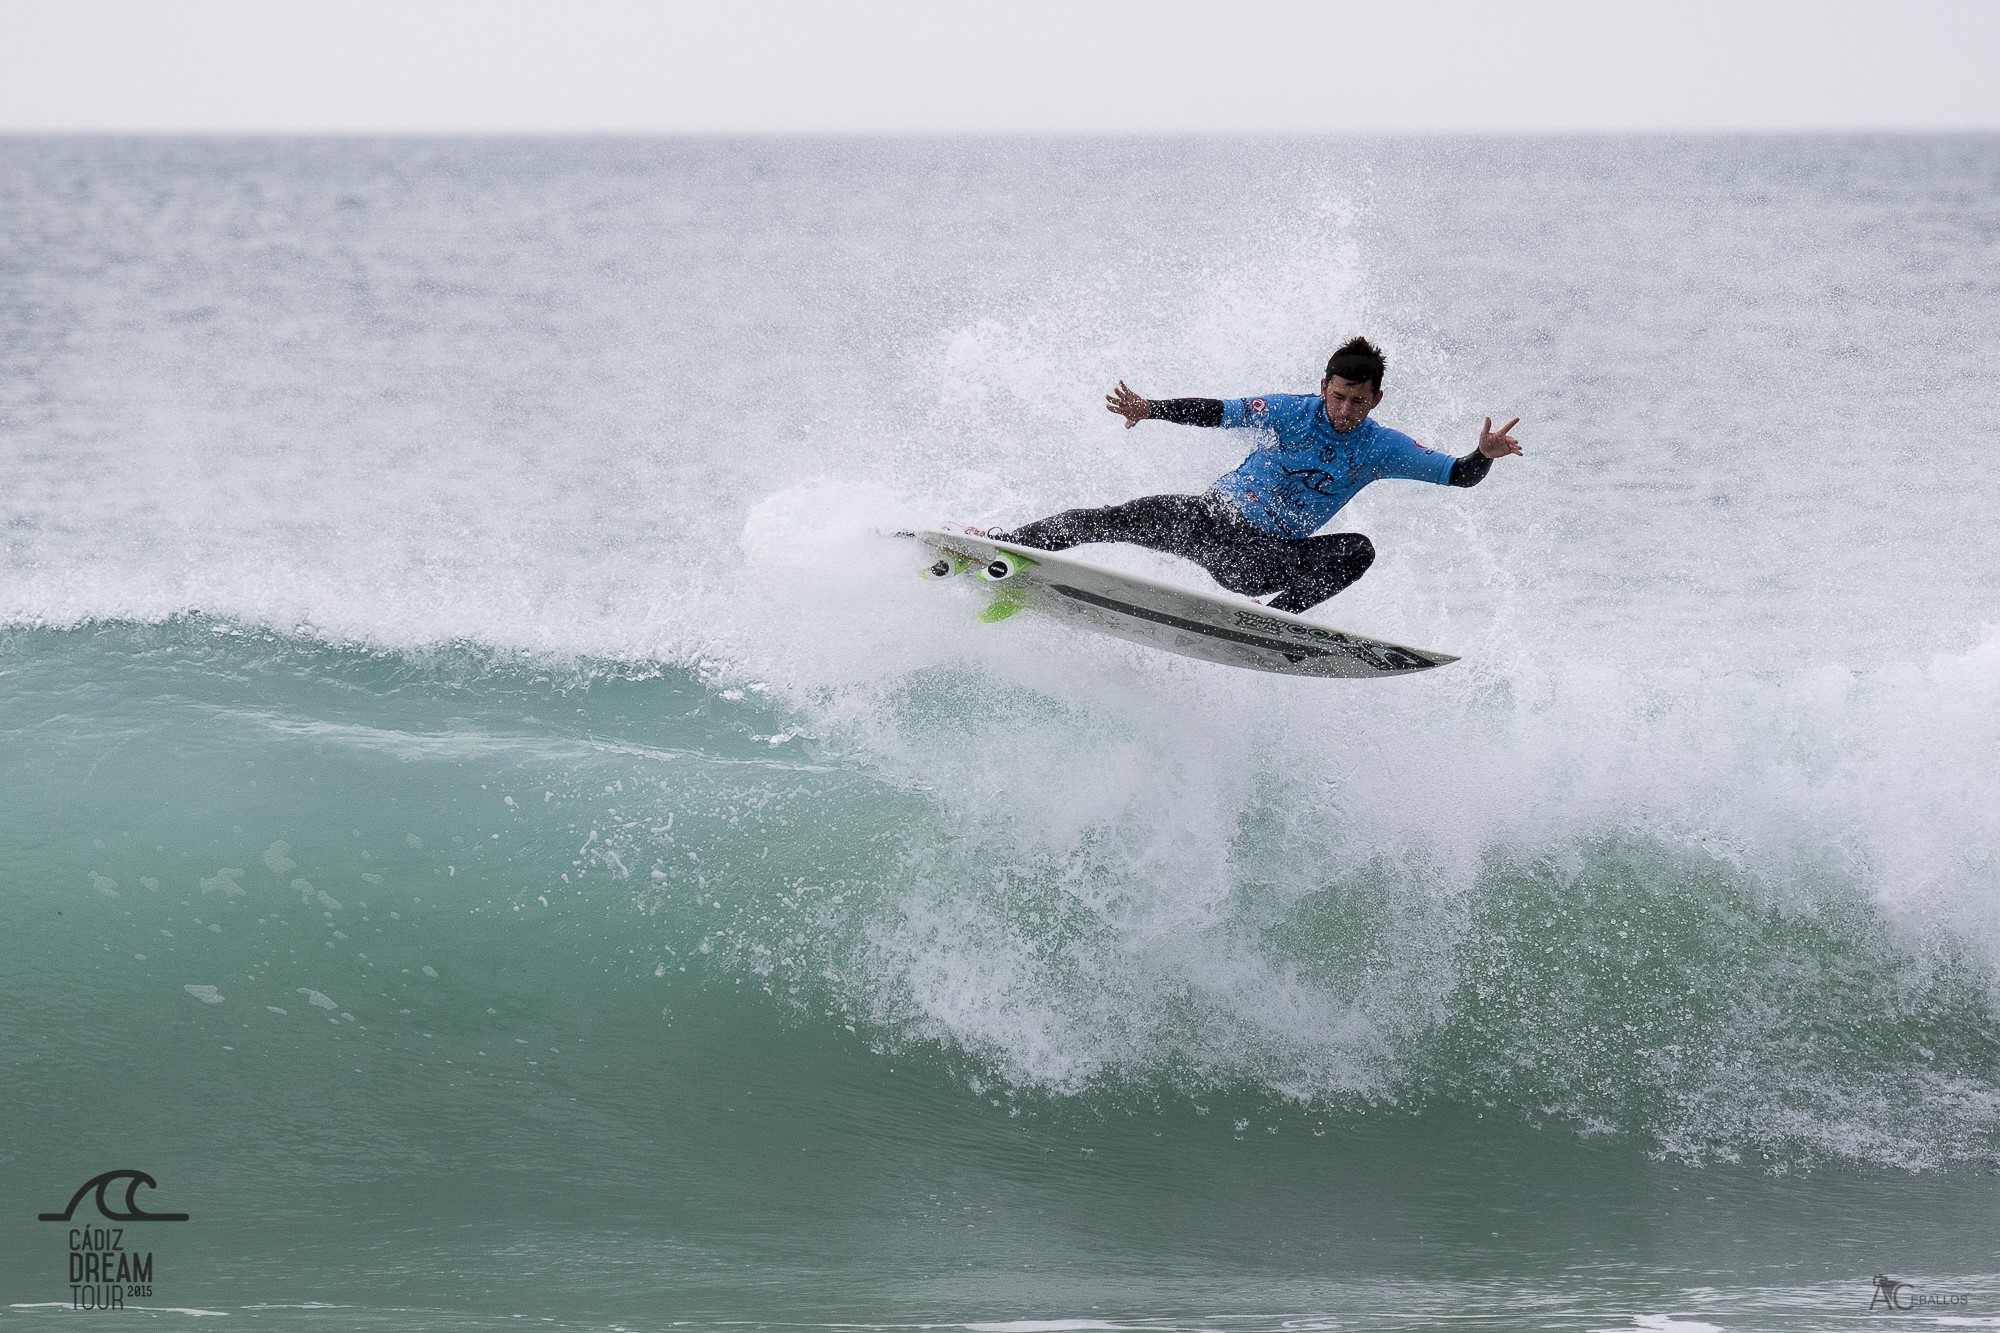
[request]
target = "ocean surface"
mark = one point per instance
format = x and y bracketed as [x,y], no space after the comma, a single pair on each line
[494,830]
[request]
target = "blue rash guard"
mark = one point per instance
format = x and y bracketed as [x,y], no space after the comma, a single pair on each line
[1306,470]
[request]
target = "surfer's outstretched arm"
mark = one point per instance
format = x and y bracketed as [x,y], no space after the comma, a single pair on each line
[1180,411]
[1471,469]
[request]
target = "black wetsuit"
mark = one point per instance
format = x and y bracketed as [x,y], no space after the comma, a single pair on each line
[1211,530]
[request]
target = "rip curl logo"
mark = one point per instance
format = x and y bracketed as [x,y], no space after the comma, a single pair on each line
[1891,1294]
[1317,480]
[102,1271]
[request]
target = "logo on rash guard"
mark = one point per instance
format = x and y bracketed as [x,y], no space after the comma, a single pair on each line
[1316,480]
[1258,405]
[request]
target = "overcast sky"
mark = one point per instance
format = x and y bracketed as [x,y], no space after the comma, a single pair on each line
[930,66]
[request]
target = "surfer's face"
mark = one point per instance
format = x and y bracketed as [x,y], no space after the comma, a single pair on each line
[1347,402]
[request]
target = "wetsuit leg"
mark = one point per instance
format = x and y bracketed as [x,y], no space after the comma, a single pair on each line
[1206,529]
[1321,567]
[1215,535]
[1183,525]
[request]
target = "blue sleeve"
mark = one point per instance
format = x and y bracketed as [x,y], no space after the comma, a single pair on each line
[1400,456]
[1254,413]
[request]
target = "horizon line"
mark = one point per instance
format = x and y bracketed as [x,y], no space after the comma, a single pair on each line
[625,132]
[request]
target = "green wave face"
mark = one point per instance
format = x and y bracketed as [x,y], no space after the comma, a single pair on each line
[556,955]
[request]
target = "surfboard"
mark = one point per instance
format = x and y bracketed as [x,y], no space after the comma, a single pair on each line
[1215,627]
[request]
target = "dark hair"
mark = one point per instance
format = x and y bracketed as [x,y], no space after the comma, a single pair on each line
[1358,360]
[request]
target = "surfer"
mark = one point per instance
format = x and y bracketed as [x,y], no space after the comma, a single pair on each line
[1253,529]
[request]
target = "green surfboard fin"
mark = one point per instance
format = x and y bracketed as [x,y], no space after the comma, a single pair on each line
[1005,603]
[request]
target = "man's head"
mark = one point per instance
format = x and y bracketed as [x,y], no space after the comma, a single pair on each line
[1353,383]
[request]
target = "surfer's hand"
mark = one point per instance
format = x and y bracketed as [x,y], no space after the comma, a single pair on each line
[1131,406]
[1498,443]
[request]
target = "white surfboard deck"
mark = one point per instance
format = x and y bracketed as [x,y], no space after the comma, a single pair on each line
[1216,627]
